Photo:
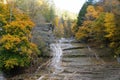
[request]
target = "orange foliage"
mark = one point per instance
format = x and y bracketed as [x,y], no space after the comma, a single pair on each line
[10,41]
[110,25]
[16,48]
[19,27]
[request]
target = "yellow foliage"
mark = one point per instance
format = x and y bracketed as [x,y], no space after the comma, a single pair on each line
[19,27]
[9,41]
[87,23]
[94,12]
[26,50]
[99,9]
[90,9]
[82,33]
[10,63]
[91,12]
[109,17]
[4,9]
[56,21]
[16,48]
[80,36]
[113,44]
[40,2]
[110,25]
[2,20]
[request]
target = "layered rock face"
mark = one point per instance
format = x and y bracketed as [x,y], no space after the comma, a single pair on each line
[43,36]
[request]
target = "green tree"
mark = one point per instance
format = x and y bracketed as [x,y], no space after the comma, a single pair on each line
[81,15]
[98,29]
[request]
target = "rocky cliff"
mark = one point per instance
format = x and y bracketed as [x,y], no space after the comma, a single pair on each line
[43,36]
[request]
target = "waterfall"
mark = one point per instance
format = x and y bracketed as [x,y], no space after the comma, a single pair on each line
[55,64]
[57,54]
[56,61]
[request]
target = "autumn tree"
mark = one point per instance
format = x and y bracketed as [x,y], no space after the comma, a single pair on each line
[16,48]
[112,20]
[113,32]
[81,15]
[98,29]
[85,31]
[101,25]
[110,26]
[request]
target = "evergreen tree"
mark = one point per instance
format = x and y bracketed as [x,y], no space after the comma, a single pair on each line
[81,15]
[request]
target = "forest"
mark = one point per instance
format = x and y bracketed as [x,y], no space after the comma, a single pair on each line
[97,24]
[17,21]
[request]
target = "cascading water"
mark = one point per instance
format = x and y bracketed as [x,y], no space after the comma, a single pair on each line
[69,63]
[57,54]
[55,65]
[56,61]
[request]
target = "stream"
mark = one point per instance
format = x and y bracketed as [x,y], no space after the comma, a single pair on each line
[71,63]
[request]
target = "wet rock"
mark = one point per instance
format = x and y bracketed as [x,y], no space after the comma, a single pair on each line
[73,66]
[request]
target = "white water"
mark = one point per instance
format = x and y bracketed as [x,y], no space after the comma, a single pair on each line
[78,68]
[57,53]
[56,60]
[55,65]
